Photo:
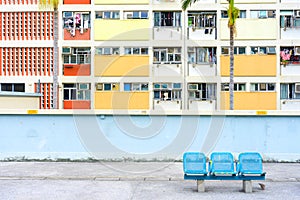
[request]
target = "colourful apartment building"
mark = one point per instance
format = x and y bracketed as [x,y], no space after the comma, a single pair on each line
[149,56]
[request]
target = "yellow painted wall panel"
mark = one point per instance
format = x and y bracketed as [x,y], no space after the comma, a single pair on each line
[122,100]
[250,65]
[250,29]
[119,2]
[127,65]
[250,100]
[129,29]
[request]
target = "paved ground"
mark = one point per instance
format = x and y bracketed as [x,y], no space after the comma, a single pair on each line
[134,180]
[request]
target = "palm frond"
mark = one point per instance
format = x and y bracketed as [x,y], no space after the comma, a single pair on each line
[52,4]
[186,3]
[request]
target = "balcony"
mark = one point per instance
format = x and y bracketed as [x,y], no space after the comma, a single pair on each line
[75,34]
[167,33]
[173,105]
[290,104]
[163,69]
[197,105]
[205,69]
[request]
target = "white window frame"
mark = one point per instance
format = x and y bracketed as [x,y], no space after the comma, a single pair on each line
[170,55]
[107,50]
[136,51]
[80,93]
[236,87]
[113,14]
[130,14]
[262,87]
[196,91]
[167,91]
[226,50]
[202,19]
[196,56]
[136,87]
[112,86]
[176,20]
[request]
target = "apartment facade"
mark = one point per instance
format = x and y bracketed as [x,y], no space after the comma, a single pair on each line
[149,56]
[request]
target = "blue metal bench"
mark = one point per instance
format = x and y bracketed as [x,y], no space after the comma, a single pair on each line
[223,167]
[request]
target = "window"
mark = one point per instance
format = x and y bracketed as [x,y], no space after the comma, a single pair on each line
[167,18]
[76,20]
[79,91]
[289,91]
[202,91]
[167,55]
[202,55]
[258,50]
[237,50]
[107,86]
[135,86]
[107,51]
[201,19]
[167,91]
[236,87]
[136,51]
[289,18]
[107,15]
[136,15]
[262,87]
[12,87]
[262,14]
[80,55]
[290,54]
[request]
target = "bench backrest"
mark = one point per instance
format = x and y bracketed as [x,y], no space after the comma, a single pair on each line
[221,163]
[194,163]
[250,163]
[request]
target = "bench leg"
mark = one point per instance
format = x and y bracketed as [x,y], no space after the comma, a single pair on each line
[247,186]
[200,186]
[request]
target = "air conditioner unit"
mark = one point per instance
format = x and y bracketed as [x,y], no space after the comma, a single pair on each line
[99,86]
[297,88]
[66,50]
[297,13]
[84,86]
[297,51]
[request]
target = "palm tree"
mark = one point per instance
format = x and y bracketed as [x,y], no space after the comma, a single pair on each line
[53,4]
[233,14]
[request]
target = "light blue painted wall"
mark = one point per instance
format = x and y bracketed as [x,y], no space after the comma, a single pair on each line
[146,137]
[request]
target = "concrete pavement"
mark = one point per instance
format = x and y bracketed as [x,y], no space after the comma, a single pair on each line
[133,180]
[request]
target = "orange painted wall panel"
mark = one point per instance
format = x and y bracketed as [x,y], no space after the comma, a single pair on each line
[86,35]
[77,1]
[77,104]
[250,100]
[77,70]
[250,65]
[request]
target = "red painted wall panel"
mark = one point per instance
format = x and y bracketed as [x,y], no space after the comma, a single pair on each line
[77,70]
[77,1]
[77,104]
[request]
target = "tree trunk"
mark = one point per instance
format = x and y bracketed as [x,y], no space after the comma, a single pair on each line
[55,60]
[231,83]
